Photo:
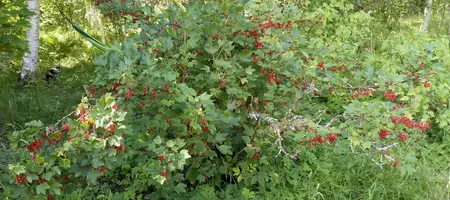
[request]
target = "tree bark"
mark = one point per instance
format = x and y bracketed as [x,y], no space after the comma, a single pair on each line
[30,59]
[448,21]
[427,14]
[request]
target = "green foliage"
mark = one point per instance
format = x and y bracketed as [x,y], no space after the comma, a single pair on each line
[60,48]
[246,100]
[13,21]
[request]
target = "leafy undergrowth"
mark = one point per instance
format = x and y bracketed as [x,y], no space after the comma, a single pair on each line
[321,172]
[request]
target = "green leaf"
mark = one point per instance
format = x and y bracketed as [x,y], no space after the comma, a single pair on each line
[160,179]
[169,76]
[193,40]
[220,137]
[211,48]
[249,70]
[200,178]
[19,169]
[167,43]
[170,143]
[184,154]
[32,177]
[96,162]
[114,140]
[223,63]
[92,176]
[39,159]
[443,123]
[167,102]
[244,80]
[160,150]
[40,189]
[366,145]
[37,168]
[48,176]
[55,187]
[225,149]
[157,140]
[56,170]
[186,90]
[34,123]
[206,99]
[180,188]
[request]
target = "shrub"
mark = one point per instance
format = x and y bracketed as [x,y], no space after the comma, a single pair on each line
[216,92]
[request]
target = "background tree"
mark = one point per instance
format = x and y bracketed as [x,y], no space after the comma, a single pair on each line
[30,59]
[427,14]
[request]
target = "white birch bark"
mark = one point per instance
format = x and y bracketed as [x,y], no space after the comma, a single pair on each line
[427,14]
[30,58]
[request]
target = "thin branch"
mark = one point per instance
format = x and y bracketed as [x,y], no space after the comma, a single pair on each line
[340,117]
[273,125]
[366,87]
[379,164]
[319,114]
[65,117]
[384,148]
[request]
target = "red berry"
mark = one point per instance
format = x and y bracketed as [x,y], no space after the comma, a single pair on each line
[331,137]
[129,94]
[382,133]
[204,121]
[320,65]
[163,174]
[144,90]
[426,84]
[395,163]
[402,137]
[65,127]
[161,158]
[142,104]
[20,178]
[110,127]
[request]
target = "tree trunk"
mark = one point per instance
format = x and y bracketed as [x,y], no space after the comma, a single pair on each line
[30,58]
[427,14]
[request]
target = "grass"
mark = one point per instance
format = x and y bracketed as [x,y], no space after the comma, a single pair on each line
[42,100]
[325,173]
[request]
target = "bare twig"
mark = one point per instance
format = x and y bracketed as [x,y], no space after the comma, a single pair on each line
[340,117]
[65,117]
[384,148]
[319,114]
[273,125]
[389,157]
[379,164]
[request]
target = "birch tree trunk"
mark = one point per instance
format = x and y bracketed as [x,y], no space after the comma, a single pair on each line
[448,21]
[30,58]
[427,14]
